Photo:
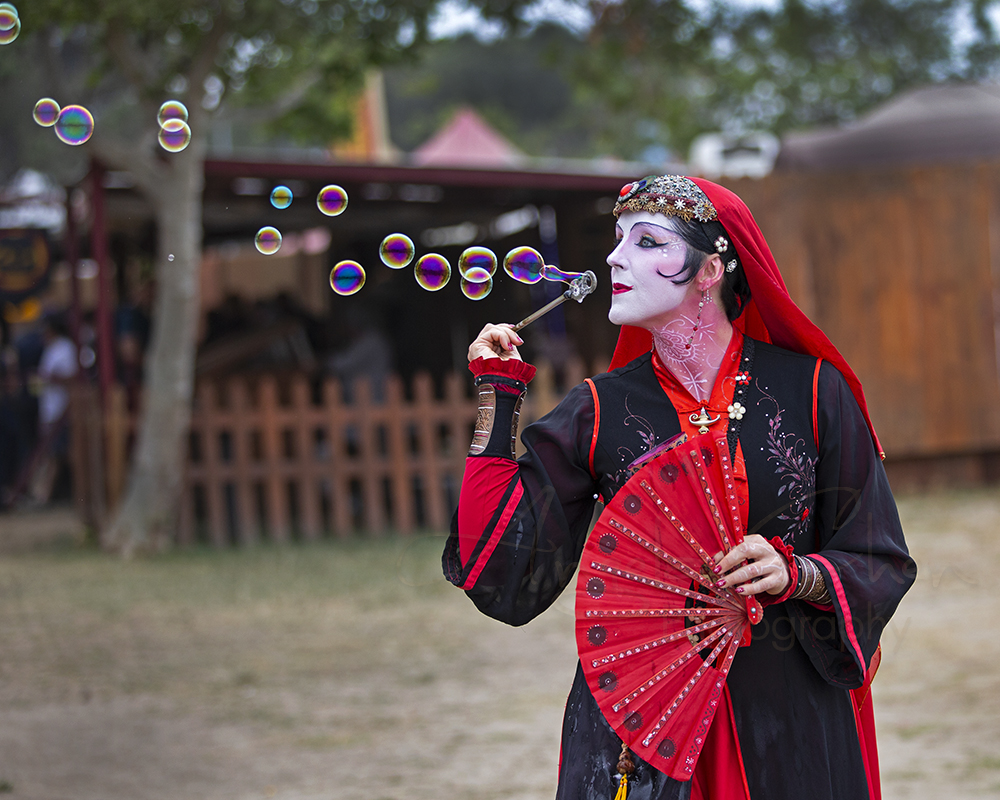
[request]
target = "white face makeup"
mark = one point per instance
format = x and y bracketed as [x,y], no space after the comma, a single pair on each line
[648,255]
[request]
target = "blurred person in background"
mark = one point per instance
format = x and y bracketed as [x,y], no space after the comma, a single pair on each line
[710,341]
[56,369]
[18,417]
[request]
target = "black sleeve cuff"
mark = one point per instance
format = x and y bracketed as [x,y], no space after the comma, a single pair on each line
[497,420]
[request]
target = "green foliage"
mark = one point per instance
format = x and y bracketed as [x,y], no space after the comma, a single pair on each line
[286,68]
[673,68]
[295,57]
[651,72]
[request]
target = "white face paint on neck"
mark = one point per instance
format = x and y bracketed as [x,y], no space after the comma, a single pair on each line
[645,264]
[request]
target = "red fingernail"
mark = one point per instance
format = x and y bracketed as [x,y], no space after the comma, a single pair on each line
[717,570]
[739,590]
[720,584]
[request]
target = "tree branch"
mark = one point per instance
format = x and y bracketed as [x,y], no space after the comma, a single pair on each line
[203,62]
[128,57]
[51,60]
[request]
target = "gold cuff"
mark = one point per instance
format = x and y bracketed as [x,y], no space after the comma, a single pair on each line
[484,419]
[811,585]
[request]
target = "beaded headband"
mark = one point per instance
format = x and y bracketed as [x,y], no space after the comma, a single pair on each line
[672,195]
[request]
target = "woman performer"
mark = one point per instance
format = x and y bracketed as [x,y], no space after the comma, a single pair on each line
[704,315]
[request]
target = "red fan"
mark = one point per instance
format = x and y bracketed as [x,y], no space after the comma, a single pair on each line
[655,637]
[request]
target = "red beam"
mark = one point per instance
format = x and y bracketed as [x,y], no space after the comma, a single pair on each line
[99,250]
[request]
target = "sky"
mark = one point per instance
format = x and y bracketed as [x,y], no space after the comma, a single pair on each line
[455,17]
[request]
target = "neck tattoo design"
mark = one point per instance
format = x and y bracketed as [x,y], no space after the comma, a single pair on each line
[687,347]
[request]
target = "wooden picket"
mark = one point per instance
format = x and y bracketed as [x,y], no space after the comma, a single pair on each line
[274,459]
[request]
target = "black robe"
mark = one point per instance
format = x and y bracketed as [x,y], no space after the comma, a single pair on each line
[814,480]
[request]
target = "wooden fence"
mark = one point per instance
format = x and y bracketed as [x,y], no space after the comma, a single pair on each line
[285,459]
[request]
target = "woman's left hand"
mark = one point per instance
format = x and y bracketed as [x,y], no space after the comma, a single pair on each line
[767,570]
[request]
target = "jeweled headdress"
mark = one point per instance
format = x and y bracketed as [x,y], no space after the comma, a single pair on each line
[672,195]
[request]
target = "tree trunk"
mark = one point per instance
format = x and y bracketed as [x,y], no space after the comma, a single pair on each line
[147,517]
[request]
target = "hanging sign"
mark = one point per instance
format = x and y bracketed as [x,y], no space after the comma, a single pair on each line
[24,263]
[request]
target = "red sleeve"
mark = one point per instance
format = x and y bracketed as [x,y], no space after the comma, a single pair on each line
[487,479]
[520,525]
[484,484]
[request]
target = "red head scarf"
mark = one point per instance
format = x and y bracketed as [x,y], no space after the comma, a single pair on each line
[770,316]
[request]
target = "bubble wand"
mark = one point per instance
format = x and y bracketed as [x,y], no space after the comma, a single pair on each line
[579,287]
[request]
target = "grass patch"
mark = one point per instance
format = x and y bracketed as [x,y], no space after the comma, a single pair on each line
[202,622]
[908,732]
[903,775]
[981,763]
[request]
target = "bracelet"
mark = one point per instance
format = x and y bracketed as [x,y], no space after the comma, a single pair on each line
[811,585]
[501,380]
[497,418]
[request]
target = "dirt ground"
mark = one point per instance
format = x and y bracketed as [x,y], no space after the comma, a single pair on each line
[350,670]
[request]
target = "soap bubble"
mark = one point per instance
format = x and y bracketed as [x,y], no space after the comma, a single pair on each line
[281,197]
[268,240]
[396,250]
[476,290]
[551,273]
[74,125]
[8,17]
[172,109]
[8,36]
[175,135]
[477,264]
[432,272]
[476,275]
[347,277]
[332,200]
[46,112]
[524,264]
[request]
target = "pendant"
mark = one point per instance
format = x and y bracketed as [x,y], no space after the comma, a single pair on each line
[703,420]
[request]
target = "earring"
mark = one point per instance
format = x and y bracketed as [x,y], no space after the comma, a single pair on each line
[705,298]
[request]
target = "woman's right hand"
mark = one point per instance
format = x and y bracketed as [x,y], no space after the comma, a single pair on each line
[495,341]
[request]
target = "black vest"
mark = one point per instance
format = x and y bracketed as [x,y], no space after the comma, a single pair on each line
[776,435]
